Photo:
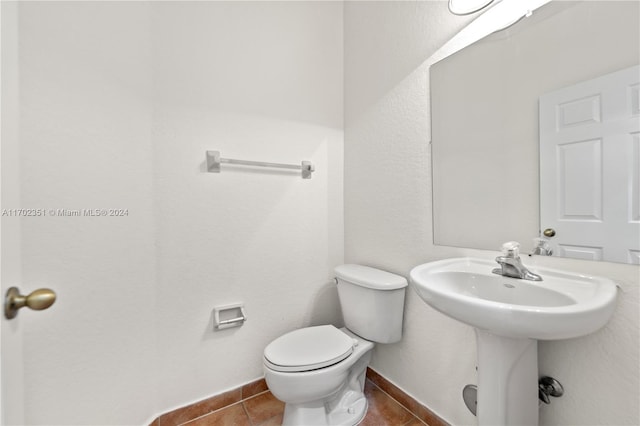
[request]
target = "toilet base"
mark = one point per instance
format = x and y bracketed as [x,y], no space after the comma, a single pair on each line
[346,408]
[317,414]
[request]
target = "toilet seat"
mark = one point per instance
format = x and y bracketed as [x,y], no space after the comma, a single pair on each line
[308,349]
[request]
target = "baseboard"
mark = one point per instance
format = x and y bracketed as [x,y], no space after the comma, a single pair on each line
[193,411]
[408,402]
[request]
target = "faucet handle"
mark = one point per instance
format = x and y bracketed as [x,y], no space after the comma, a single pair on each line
[542,247]
[511,249]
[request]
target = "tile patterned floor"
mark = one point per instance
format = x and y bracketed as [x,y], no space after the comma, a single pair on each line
[265,410]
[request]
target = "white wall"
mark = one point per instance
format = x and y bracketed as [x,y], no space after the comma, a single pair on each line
[118,103]
[257,81]
[388,225]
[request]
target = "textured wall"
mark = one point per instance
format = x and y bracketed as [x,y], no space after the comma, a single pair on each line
[388,225]
[257,81]
[118,103]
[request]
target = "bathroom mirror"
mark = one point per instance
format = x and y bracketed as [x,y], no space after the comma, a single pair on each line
[486,122]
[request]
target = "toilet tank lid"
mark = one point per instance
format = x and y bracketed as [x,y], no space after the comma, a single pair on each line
[366,276]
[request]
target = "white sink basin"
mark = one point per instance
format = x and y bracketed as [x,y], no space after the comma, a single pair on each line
[561,306]
[510,315]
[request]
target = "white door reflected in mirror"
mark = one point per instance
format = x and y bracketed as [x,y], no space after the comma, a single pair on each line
[589,168]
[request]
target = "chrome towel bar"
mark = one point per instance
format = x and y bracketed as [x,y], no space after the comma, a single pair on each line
[214,160]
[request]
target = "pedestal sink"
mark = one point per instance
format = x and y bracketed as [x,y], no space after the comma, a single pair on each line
[510,315]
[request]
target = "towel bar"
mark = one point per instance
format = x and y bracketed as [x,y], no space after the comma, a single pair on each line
[214,160]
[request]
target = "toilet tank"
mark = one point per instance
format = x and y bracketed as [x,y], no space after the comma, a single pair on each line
[372,302]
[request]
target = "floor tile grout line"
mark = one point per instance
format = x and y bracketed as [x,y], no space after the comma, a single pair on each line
[253,396]
[418,419]
[227,406]
[211,412]
[246,412]
[266,420]
[397,402]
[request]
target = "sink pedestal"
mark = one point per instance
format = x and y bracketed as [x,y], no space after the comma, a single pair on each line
[507,380]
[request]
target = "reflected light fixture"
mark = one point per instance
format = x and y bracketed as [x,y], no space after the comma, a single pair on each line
[466,7]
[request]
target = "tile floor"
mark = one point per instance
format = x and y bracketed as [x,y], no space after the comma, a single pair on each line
[265,410]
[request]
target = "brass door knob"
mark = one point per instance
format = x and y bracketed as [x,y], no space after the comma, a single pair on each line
[38,300]
[549,232]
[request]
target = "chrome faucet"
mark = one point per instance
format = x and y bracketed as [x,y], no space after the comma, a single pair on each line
[511,265]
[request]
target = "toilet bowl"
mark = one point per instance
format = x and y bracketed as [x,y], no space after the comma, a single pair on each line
[319,372]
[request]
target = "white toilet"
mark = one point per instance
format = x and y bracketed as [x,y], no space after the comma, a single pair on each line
[319,372]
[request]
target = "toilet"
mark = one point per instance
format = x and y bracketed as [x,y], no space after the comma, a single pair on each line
[319,372]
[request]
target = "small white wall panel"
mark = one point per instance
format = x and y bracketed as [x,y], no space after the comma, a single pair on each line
[634,96]
[579,112]
[634,173]
[580,180]
[580,252]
